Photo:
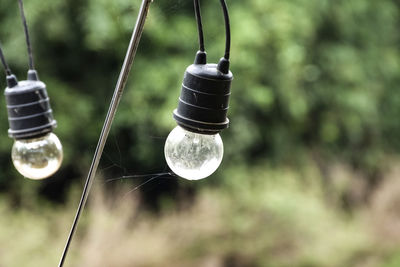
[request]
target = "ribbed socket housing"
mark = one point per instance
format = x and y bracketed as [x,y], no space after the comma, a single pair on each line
[29,111]
[204,100]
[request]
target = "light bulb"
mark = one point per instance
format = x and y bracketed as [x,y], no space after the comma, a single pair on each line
[37,158]
[193,156]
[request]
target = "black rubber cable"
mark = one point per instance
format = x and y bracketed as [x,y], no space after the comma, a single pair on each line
[28,41]
[227,29]
[4,62]
[199,24]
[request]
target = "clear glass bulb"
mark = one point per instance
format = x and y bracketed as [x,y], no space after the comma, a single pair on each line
[37,158]
[191,155]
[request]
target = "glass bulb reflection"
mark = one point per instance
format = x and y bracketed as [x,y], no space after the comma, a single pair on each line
[37,158]
[191,155]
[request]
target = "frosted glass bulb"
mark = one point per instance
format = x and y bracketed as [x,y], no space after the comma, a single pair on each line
[191,155]
[37,158]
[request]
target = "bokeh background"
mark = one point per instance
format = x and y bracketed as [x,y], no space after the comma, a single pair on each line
[310,175]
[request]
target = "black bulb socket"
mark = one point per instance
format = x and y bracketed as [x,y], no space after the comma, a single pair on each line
[204,100]
[28,106]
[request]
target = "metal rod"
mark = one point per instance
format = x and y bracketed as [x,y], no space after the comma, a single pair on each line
[119,88]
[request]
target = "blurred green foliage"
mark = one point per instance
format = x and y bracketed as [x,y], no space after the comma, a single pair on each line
[310,75]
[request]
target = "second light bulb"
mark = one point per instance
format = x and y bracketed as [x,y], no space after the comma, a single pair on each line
[193,156]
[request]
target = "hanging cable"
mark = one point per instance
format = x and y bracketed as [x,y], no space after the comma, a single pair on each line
[28,42]
[4,62]
[227,29]
[199,25]
[11,79]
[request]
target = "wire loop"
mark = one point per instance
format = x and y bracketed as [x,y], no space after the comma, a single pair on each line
[227,27]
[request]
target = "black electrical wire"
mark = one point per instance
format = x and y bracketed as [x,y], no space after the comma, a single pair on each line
[199,25]
[227,29]
[28,41]
[4,62]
